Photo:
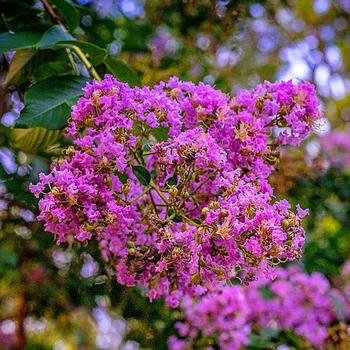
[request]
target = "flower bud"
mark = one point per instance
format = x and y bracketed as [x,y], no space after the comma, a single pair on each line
[223,213]
[126,188]
[55,191]
[214,205]
[205,210]
[69,151]
[196,278]
[131,251]
[173,191]
[110,218]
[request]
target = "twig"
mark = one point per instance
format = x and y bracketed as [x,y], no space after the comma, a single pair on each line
[189,221]
[139,196]
[71,60]
[161,195]
[86,62]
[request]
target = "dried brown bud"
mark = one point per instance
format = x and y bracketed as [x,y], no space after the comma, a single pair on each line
[110,218]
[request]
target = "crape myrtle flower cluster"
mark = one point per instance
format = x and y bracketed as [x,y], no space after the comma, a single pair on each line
[294,301]
[173,181]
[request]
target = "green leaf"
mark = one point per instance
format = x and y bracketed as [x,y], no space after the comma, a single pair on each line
[257,342]
[54,68]
[122,177]
[52,36]
[172,181]
[161,133]
[34,140]
[121,70]
[48,102]
[68,13]
[18,41]
[266,293]
[17,65]
[142,174]
[56,37]
[95,53]
[3,174]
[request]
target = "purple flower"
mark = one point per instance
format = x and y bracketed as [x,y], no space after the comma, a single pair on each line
[172,181]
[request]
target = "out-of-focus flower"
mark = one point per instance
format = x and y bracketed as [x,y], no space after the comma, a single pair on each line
[163,44]
[293,301]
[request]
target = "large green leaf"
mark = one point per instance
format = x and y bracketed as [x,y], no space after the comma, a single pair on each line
[52,36]
[121,70]
[17,65]
[18,41]
[34,140]
[57,37]
[67,12]
[48,103]
[50,69]
[95,53]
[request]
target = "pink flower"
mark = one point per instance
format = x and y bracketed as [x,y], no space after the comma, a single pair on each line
[172,181]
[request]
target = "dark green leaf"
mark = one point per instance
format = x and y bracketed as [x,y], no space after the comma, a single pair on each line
[48,103]
[175,218]
[55,68]
[160,133]
[18,41]
[256,342]
[67,12]
[142,174]
[269,333]
[266,292]
[3,174]
[145,146]
[137,35]
[122,177]
[121,70]
[172,181]
[153,174]
[52,36]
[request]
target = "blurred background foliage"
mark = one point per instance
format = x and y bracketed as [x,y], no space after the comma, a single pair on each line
[63,297]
